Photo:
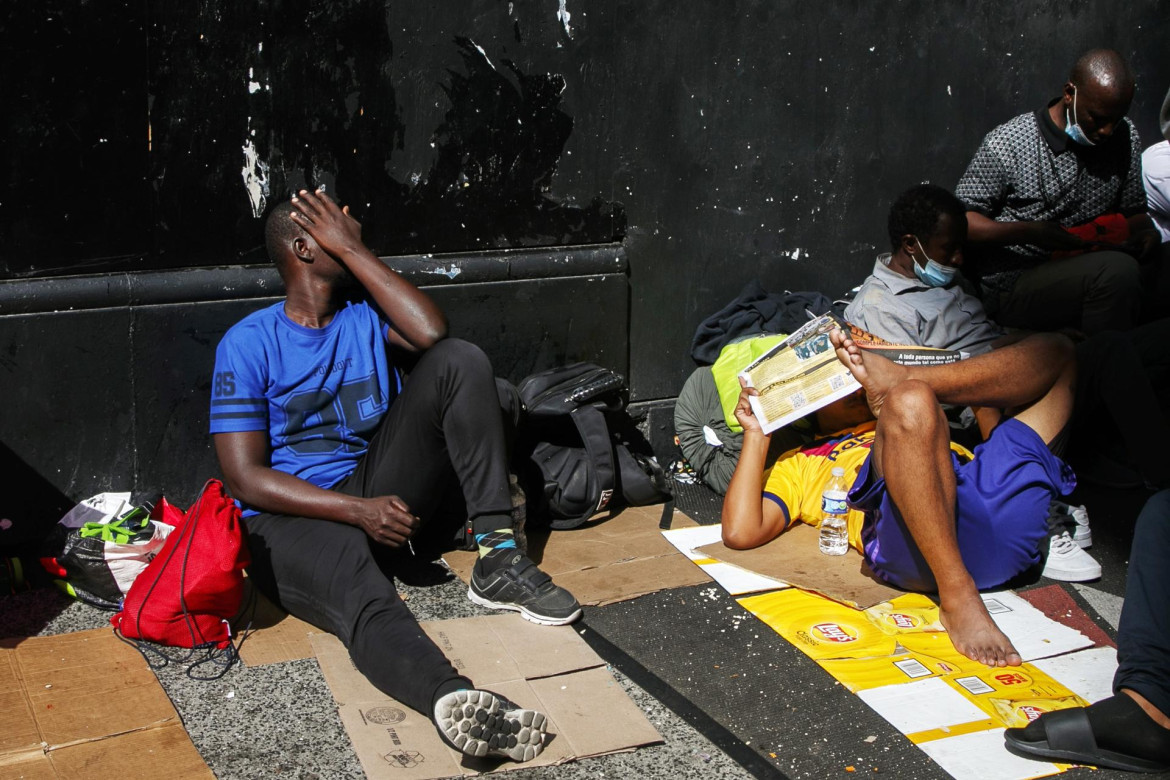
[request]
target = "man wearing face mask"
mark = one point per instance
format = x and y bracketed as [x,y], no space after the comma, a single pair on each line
[914,295]
[1056,210]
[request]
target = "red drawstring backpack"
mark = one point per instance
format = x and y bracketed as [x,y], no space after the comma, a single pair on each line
[194,586]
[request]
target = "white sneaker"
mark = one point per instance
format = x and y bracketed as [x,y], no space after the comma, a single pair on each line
[1068,562]
[1083,536]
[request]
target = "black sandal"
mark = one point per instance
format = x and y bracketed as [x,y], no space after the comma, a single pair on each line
[1069,738]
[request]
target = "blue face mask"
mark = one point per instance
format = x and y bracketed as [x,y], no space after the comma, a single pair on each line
[932,274]
[1072,128]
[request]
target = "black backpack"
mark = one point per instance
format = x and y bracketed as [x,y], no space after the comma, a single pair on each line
[570,456]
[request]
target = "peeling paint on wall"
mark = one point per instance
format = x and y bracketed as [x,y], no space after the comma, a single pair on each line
[486,59]
[255,173]
[496,154]
[563,17]
[331,101]
[450,273]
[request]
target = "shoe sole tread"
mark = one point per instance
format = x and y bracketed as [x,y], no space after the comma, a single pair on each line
[478,726]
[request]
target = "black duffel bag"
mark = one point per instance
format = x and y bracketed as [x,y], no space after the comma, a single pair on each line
[568,447]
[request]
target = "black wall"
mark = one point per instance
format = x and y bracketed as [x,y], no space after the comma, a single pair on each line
[718,141]
[146,136]
[108,389]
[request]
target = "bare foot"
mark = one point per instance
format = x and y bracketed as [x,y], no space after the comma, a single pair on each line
[975,635]
[873,372]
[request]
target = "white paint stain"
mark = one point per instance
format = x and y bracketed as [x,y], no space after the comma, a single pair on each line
[253,85]
[450,273]
[255,173]
[563,16]
[948,89]
[479,49]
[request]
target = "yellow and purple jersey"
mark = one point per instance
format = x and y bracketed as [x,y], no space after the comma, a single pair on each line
[798,478]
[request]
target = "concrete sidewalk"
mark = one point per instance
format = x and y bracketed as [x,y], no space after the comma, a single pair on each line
[730,697]
[280,720]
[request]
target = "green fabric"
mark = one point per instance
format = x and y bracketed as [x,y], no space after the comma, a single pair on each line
[734,358]
[130,527]
[698,408]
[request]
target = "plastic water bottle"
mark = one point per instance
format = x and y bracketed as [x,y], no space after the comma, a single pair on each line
[834,529]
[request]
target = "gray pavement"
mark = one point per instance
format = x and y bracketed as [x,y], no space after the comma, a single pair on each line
[279,720]
[729,696]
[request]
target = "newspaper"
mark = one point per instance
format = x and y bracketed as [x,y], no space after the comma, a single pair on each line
[802,374]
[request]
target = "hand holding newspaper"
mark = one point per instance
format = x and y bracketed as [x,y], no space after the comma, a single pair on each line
[802,374]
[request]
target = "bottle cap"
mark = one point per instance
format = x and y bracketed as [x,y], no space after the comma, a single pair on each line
[838,471]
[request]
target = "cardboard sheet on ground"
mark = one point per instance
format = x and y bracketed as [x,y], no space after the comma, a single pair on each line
[274,635]
[733,579]
[899,660]
[87,705]
[550,669]
[795,559]
[612,559]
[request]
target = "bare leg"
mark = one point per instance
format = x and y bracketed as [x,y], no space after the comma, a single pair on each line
[1014,376]
[912,451]
[1034,375]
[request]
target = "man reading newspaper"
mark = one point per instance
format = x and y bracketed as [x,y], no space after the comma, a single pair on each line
[802,373]
[927,515]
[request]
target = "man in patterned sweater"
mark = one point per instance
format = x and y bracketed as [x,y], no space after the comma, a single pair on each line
[1075,164]
[338,463]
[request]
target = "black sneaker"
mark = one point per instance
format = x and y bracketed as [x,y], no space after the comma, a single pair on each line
[506,579]
[481,723]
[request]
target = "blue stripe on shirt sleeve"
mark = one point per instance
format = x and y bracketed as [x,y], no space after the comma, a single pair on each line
[258,402]
[249,414]
[234,415]
[783,507]
[239,416]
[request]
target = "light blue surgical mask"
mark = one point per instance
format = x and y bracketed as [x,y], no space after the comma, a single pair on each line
[932,274]
[1072,128]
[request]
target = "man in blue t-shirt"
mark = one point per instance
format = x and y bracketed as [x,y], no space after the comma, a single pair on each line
[337,464]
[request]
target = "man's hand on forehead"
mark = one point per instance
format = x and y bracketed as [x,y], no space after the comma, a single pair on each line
[331,227]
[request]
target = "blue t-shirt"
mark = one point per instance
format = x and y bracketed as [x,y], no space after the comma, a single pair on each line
[319,392]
